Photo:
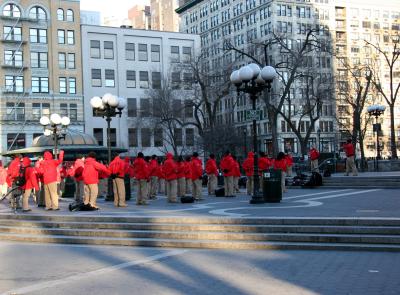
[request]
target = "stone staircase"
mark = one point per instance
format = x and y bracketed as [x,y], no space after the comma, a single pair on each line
[361,182]
[203,232]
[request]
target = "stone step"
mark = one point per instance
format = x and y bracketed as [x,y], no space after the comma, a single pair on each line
[203,244]
[204,235]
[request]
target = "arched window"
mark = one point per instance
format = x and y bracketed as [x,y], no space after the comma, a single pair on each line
[37,12]
[11,10]
[70,15]
[60,14]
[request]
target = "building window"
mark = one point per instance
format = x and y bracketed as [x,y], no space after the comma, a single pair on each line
[177,107]
[146,137]
[15,111]
[39,110]
[61,36]
[144,107]
[73,112]
[63,110]
[95,49]
[72,85]
[131,79]
[110,78]
[39,60]
[133,137]
[98,135]
[143,79]
[60,14]
[175,80]
[38,36]
[37,13]
[156,80]
[158,138]
[189,137]
[12,34]
[186,54]
[71,61]
[132,107]
[142,52]
[96,77]
[62,62]
[63,84]
[178,136]
[155,53]
[108,50]
[174,53]
[13,58]
[14,84]
[130,51]
[40,84]
[188,109]
[70,15]
[70,37]
[11,10]
[16,141]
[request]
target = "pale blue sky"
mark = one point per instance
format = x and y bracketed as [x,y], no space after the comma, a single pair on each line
[117,8]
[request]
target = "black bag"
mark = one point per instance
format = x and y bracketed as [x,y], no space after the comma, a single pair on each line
[314,180]
[220,192]
[80,206]
[187,199]
[20,179]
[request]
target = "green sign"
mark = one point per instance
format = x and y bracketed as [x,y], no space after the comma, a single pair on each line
[253,115]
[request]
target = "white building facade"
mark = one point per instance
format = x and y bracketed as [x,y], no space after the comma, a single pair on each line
[129,63]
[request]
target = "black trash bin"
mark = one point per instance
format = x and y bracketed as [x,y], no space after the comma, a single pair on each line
[271,183]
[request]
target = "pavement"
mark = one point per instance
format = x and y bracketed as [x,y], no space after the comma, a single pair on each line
[371,174]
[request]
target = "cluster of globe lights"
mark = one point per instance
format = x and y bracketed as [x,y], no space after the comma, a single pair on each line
[253,72]
[54,120]
[108,100]
[376,109]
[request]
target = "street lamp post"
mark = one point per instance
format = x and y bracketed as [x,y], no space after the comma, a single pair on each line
[376,111]
[55,126]
[108,106]
[245,141]
[253,80]
[319,139]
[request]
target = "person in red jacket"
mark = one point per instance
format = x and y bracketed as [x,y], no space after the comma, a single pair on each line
[281,164]
[350,153]
[212,174]
[180,175]
[197,175]
[141,172]
[248,166]
[3,180]
[48,169]
[236,175]
[118,170]
[188,175]
[91,174]
[227,166]
[169,171]
[289,162]
[153,173]
[31,183]
[13,169]
[76,172]
[264,163]
[314,155]
[161,180]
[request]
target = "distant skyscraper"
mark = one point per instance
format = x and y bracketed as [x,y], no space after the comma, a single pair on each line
[90,18]
[140,17]
[163,15]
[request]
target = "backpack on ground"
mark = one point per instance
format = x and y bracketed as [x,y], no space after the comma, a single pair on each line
[20,179]
[314,180]
[187,199]
[220,192]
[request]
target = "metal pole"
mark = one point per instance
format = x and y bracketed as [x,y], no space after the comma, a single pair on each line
[110,194]
[245,144]
[377,146]
[256,198]
[55,137]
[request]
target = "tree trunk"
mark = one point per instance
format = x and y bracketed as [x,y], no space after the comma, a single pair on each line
[363,164]
[393,147]
[303,147]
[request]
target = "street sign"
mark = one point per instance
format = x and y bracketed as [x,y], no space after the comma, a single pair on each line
[253,115]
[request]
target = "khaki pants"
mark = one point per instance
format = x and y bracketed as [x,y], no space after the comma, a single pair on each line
[25,199]
[196,189]
[79,190]
[3,189]
[188,186]
[181,186]
[283,179]
[314,165]
[142,191]
[119,192]
[351,166]
[211,184]
[153,186]
[171,190]
[236,184]
[91,191]
[250,185]
[51,195]
[228,184]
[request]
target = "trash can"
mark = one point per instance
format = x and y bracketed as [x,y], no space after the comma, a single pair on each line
[272,190]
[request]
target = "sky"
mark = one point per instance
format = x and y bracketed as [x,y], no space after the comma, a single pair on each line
[117,8]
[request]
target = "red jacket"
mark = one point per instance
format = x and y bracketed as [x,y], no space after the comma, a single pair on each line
[141,169]
[188,170]
[31,179]
[153,167]
[77,169]
[92,170]
[227,165]
[264,163]
[12,171]
[349,149]
[180,166]
[236,169]
[48,167]
[314,154]
[280,165]
[118,167]
[159,171]
[169,167]
[289,160]
[196,168]
[211,167]
[248,164]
